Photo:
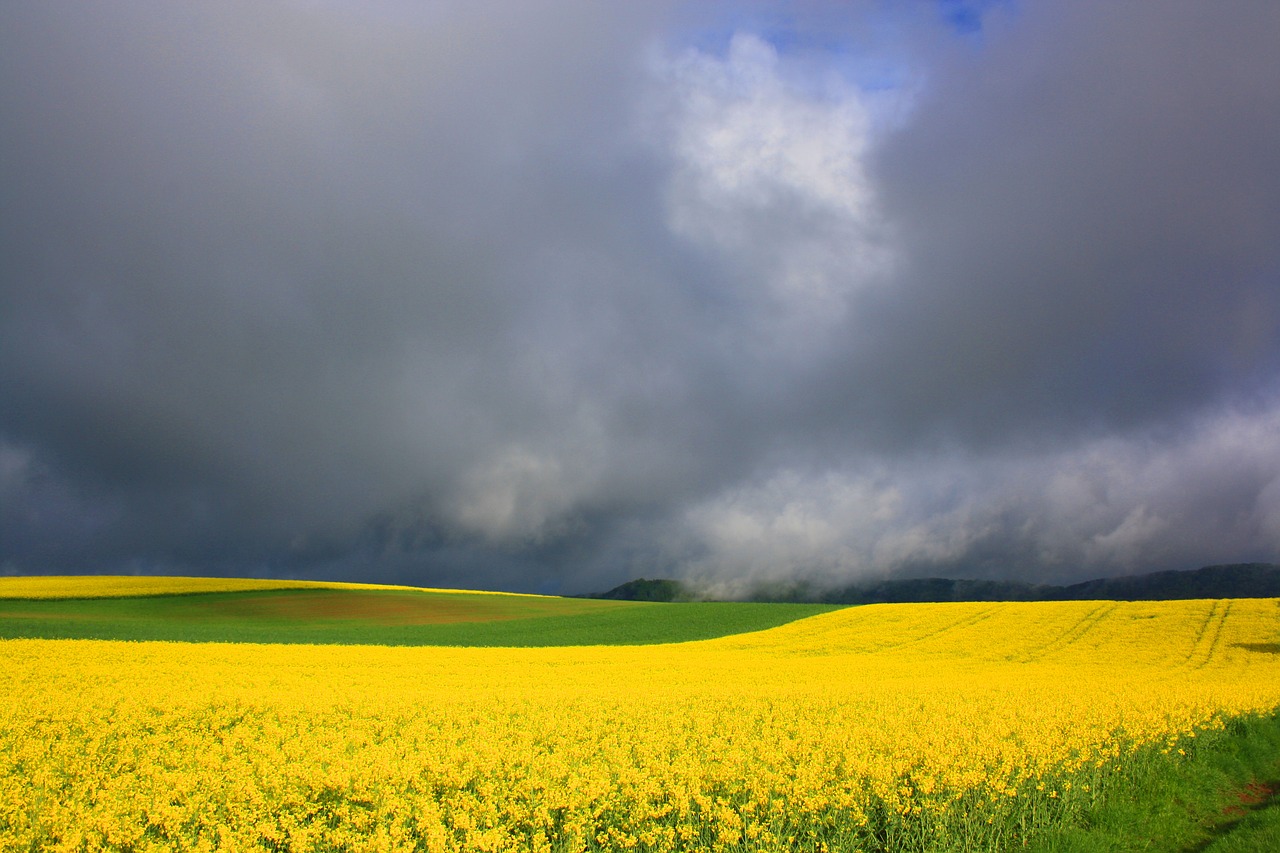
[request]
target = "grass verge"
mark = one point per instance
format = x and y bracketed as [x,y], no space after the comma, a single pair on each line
[1222,796]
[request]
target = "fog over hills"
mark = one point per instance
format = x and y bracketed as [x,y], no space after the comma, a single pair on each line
[546,296]
[1244,580]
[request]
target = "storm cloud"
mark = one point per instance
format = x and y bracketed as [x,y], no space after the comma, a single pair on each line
[546,296]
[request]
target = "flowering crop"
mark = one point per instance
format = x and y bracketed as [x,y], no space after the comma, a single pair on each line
[124,586]
[879,727]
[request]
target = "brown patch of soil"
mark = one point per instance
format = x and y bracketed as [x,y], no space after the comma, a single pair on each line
[374,608]
[1250,796]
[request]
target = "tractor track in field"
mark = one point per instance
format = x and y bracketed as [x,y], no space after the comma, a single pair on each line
[1072,634]
[1209,637]
[965,622]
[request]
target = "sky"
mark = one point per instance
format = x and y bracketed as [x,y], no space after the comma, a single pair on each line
[550,295]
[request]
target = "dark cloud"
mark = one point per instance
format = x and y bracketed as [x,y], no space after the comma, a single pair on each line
[1086,207]
[549,295]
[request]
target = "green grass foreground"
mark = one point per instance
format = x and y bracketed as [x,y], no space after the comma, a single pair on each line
[1222,797]
[388,618]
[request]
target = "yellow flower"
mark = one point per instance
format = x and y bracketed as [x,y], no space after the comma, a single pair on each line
[921,711]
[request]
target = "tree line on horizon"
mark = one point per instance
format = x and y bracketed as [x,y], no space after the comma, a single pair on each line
[1236,580]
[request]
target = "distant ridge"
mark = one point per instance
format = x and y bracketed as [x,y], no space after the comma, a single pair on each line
[1237,580]
[649,590]
[1240,580]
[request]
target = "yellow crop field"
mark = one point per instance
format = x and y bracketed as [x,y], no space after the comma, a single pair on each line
[122,586]
[886,726]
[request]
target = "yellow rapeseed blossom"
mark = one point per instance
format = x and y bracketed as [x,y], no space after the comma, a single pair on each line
[887,726]
[125,586]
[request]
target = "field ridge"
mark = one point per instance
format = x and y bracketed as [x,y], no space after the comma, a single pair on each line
[212,610]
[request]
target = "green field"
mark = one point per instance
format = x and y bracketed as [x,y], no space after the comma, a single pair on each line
[390,618]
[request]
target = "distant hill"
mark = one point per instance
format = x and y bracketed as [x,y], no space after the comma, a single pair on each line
[1239,580]
[649,590]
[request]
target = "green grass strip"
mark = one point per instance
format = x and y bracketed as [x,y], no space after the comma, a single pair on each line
[269,617]
[1222,797]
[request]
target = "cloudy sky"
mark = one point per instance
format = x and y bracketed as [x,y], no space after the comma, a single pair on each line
[549,295]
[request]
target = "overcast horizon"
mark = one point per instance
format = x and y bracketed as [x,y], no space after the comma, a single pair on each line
[549,296]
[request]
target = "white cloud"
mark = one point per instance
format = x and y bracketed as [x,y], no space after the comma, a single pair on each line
[1207,494]
[768,174]
[1269,512]
[525,495]
[513,496]
[747,139]
[1137,535]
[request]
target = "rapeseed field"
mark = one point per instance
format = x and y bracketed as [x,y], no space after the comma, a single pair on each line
[886,727]
[122,586]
